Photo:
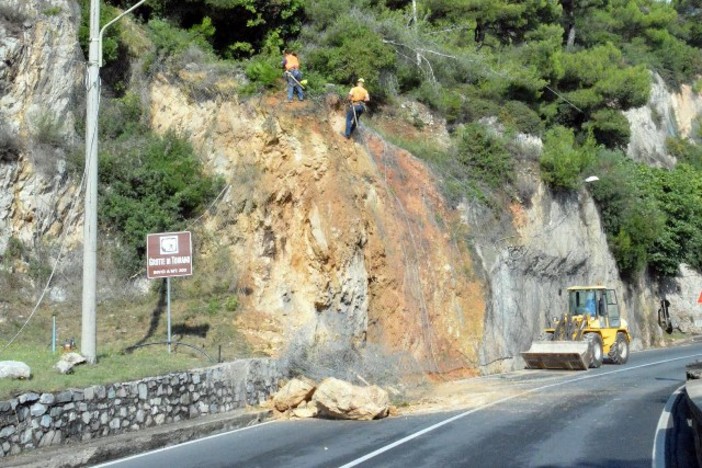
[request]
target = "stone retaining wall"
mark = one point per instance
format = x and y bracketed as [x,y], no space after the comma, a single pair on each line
[37,420]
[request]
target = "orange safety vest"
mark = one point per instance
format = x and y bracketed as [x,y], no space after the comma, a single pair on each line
[291,62]
[358,94]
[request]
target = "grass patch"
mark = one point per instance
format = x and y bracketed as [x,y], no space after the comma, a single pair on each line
[52,11]
[131,336]
[113,366]
[676,337]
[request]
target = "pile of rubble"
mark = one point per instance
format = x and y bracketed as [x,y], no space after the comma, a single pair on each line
[332,398]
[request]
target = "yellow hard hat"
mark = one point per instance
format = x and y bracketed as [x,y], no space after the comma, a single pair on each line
[360,80]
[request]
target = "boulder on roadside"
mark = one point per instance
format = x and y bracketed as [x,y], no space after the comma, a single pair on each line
[306,409]
[293,393]
[341,400]
[14,370]
[68,361]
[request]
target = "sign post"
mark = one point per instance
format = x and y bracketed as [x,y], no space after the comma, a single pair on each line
[169,254]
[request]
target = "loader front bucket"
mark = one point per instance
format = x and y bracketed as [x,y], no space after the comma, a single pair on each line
[574,355]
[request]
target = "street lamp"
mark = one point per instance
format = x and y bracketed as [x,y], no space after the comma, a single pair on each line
[88,324]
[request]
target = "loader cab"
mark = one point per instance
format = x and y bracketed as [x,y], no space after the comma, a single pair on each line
[615,319]
[597,303]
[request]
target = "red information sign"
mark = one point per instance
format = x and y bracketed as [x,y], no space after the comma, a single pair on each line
[169,254]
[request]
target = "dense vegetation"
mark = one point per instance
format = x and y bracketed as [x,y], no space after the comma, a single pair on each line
[562,70]
[148,183]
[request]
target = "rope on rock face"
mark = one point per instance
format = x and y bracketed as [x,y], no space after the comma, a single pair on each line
[412,264]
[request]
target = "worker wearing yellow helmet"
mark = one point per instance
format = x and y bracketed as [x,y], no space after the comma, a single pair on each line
[358,97]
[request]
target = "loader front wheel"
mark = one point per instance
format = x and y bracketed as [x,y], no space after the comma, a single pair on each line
[596,353]
[620,349]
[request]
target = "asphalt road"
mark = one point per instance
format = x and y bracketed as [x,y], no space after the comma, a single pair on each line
[607,417]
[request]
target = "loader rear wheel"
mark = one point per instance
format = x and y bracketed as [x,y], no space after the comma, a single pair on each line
[596,353]
[619,353]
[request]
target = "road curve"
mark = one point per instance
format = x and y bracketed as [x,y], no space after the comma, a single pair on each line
[598,418]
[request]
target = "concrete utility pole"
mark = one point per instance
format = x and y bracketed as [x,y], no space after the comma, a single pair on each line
[88,342]
[88,330]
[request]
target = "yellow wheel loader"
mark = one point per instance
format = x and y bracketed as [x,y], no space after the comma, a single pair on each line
[590,331]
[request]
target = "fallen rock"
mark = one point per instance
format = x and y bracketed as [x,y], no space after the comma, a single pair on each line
[694,371]
[68,361]
[305,410]
[14,370]
[293,393]
[341,400]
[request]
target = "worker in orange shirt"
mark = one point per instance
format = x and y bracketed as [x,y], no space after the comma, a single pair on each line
[358,97]
[292,74]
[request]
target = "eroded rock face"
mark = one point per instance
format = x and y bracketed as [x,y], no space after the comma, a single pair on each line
[334,240]
[40,75]
[556,242]
[667,114]
[683,293]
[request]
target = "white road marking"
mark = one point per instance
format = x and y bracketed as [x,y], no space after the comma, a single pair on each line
[665,422]
[410,437]
[413,436]
[163,449]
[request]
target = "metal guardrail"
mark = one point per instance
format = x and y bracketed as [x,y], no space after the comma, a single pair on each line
[693,392]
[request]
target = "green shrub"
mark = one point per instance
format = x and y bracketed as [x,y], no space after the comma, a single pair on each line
[170,40]
[679,195]
[484,155]
[120,116]
[151,184]
[15,249]
[621,205]
[110,38]
[562,162]
[39,270]
[231,304]
[610,128]
[684,151]
[652,217]
[448,102]
[350,49]
[518,115]
[52,11]
[263,73]
[213,306]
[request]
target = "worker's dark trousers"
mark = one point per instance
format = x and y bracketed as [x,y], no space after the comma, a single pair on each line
[350,121]
[294,87]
